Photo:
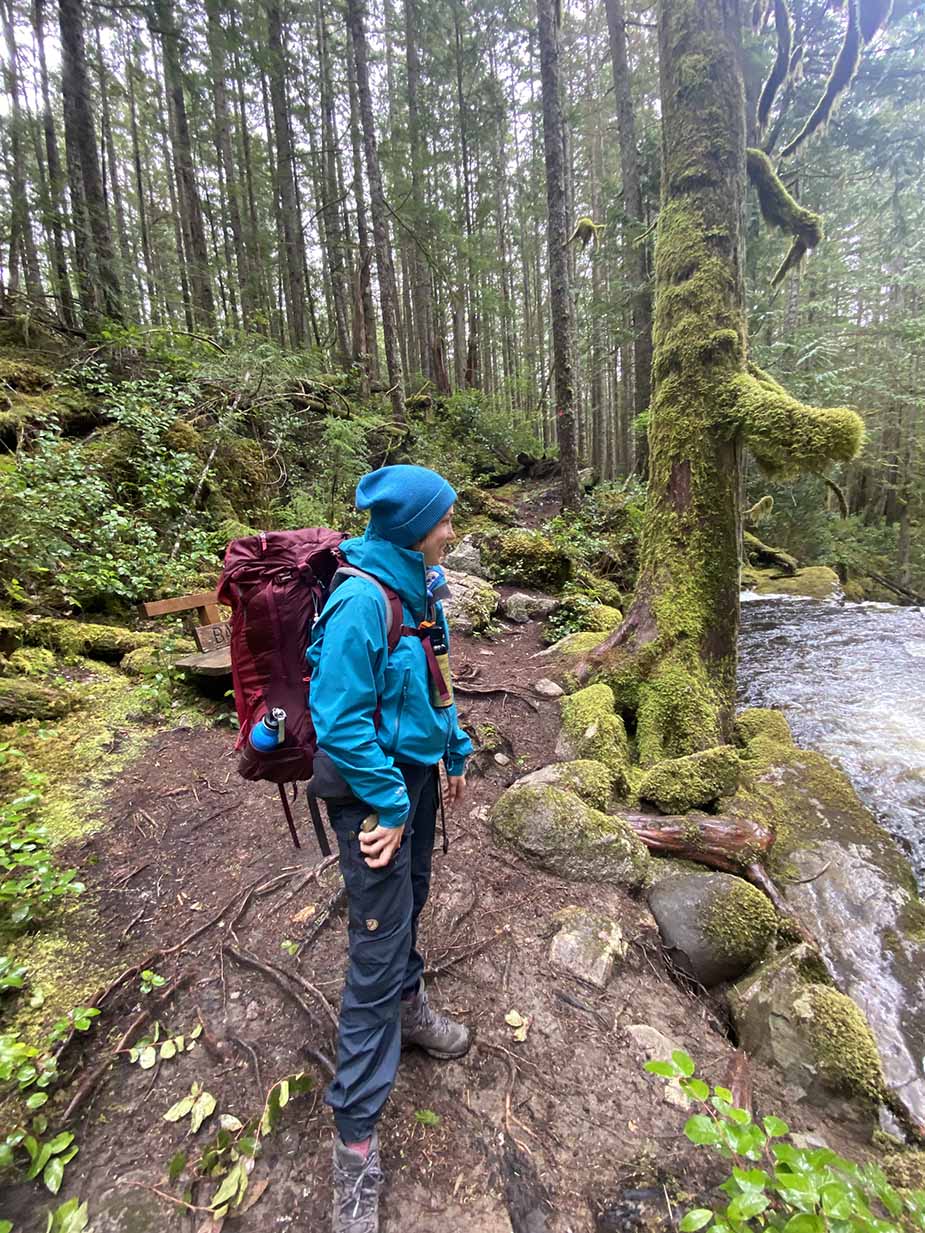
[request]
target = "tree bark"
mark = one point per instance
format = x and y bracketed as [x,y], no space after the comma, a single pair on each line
[634,226]
[197,251]
[364,340]
[331,204]
[56,178]
[388,289]
[99,263]
[419,273]
[559,288]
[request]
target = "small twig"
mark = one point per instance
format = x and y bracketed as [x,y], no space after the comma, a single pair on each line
[445,963]
[212,817]
[566,997]
[252,1054]
[121,882]
[162,1194]
[806,881]
[321,918]
[129,927]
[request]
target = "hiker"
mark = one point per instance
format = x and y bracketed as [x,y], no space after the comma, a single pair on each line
[383,726]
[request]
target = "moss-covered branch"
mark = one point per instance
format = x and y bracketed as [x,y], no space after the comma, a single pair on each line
[788,436]
[781,65]
[840,78]
[779,209]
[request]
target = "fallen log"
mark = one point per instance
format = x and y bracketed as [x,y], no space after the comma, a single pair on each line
[24,699]
[734,845]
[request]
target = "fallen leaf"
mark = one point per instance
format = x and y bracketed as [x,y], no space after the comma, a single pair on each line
[254,1193]
[303,915]
[514,1019]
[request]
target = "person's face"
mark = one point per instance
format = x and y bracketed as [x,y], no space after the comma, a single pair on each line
[435,541]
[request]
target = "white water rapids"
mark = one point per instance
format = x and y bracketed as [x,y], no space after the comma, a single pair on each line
[850,679]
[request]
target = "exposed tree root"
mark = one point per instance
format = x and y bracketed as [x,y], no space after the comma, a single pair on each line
[282,981]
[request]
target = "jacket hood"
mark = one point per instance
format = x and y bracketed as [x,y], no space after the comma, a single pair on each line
[402,569]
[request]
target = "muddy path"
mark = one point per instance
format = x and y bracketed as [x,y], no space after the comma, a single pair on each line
[193,875]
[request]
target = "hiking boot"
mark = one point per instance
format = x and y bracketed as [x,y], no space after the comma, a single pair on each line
[356,1188]
[435,1034]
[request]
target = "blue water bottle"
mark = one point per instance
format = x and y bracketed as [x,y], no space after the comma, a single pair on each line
[270,732]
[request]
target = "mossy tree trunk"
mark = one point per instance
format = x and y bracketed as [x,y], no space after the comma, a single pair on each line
[672,663]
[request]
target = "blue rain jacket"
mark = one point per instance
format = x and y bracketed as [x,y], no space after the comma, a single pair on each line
[352,673]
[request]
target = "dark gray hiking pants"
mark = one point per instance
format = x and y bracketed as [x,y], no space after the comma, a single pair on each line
[384,905]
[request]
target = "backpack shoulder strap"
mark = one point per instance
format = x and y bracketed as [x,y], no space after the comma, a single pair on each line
[393,605]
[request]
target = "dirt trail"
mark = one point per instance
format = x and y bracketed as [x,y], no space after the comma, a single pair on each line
[551,1134]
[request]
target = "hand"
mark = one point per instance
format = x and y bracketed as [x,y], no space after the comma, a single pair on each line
[379,846]
[455,789]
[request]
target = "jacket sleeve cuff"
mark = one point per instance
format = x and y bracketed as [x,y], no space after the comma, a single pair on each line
[396,816]
[455,764]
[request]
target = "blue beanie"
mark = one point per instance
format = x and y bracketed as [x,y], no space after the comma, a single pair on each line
[404,502]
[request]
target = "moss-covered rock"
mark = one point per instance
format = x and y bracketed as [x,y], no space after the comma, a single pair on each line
[592,729]
[601,618]
[240,478]
[762,723]
[147,661]
[697,781]
[113,451]
[715,926]
[602,590]
[183,438]
[591,781]
[32,661]
[817,1037]
[83,638]
[577,644]
[813,582]
[526,558]
[11,631]
[554,830]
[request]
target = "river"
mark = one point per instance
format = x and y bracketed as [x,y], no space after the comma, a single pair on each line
[851,680]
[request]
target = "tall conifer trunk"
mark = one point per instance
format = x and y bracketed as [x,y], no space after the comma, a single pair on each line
[388,287]
[559,286]
[672,663]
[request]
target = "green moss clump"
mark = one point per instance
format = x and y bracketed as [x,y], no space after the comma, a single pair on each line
[24,377]
[592,729]
[578,644]
[114,452]
[527,558]
[22,699]
[740,920]
[676,706]
[182,437]
[692,782]
[905,1169]
[591,781]
[842,1040]
[240,477]
[600,589]
[32,661]
[602,618]
[762,723]
[82,638]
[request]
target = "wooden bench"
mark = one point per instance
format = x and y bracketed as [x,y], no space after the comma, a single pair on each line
[212,634]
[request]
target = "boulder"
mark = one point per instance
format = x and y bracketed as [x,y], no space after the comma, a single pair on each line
[555,830]
[715,927]
[786,1016]
[547,689]
[472,603]
[586,945]
[521,607]
[813,582]
[847,881]
[526,558]
[694,782]
[466,558]
[592,729]
[590,780]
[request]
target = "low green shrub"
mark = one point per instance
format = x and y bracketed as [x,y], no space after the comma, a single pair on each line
[775,1184]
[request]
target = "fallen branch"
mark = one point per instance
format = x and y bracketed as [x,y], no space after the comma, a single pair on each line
[322,917]
[282,982]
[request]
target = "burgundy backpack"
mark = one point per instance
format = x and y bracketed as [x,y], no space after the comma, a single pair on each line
[276,584]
